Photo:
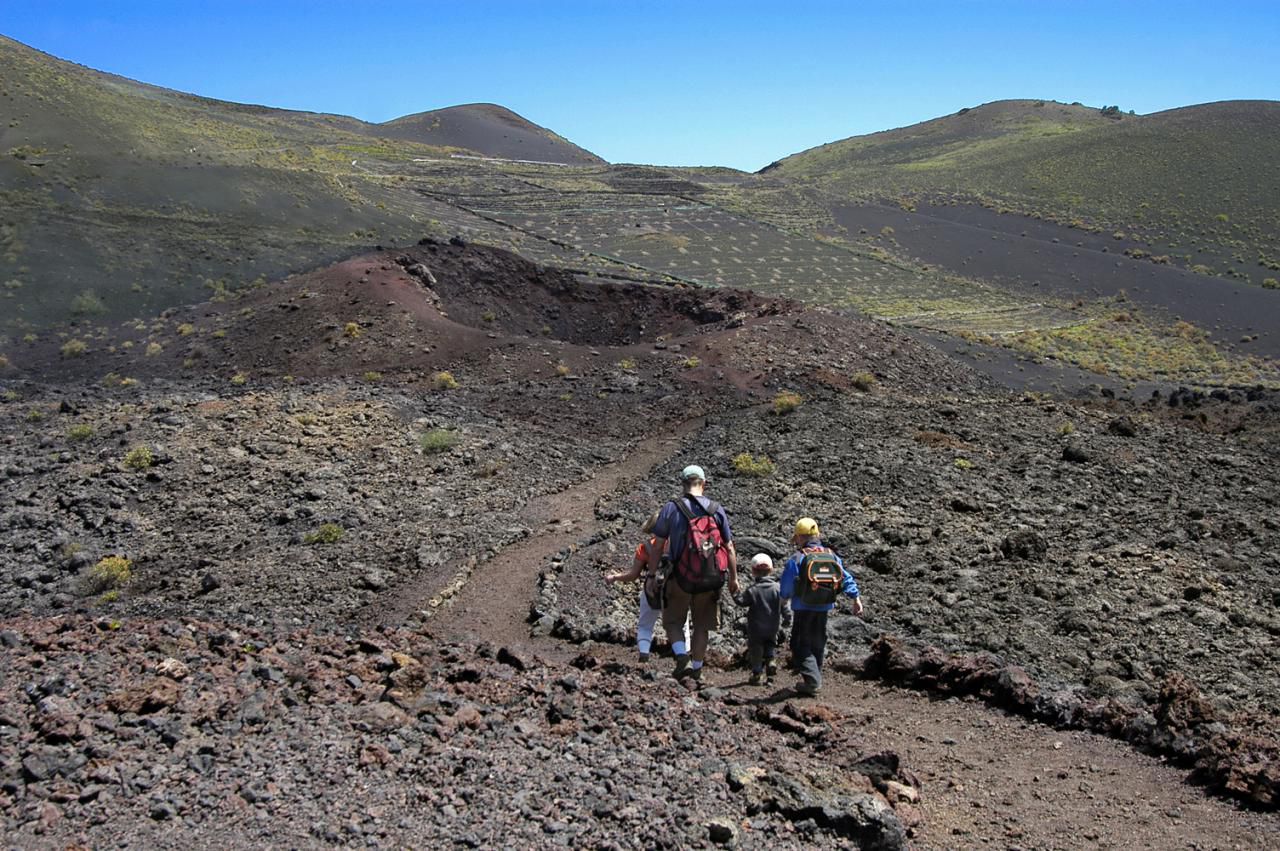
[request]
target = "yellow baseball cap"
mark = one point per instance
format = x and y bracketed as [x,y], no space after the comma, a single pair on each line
[807,527]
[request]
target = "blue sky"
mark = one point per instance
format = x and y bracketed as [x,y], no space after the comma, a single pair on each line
[692,83]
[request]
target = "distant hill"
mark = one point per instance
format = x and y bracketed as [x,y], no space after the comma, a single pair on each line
[1197,180]
[121,198]
[488,129]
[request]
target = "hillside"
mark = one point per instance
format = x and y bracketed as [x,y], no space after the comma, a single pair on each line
[1200,183]
[273,567]
[123,198]
[488,129]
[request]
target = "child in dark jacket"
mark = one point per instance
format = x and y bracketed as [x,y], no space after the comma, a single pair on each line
[765,615]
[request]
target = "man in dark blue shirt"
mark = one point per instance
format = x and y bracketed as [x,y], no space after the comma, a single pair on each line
[672,529]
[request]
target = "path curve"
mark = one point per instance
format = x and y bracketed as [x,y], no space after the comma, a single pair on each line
[490,600]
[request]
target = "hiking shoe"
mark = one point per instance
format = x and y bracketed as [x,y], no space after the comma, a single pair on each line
[808,688]
[770,671]
[643,658]
[682,666]
[757,677]
[695,674]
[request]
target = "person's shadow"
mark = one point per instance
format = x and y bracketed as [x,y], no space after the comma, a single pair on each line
[744,694]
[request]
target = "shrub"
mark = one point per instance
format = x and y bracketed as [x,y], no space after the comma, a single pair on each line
[1222,217]
[1271,284]
[444,381]
[35,415]
[80,431]
[352,330]
[328,533]
[692,363]
[240,379]
[749,465]
[128,382]
[963,464]
[785,403]
[4,362]
[306,419]
[372,375]
[154,349]
[488,316]
[74,348]
[627,364]
[219,334]
[87,304]
[562,369]
[139,458]
[110,573]
[1067,428]
[186,329]
[437,440]
[865,381]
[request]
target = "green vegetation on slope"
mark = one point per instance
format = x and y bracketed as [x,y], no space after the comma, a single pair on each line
[1200,183]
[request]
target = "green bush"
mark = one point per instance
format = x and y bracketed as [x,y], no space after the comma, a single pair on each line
[328,533]
[1271,284]
[352,330]
[88,304]
[139,458]
[110,573]
[865,381]
[748,465]
[692,363]
[74,348]
[80,431]
[444,381]
[785,403]
[437,440]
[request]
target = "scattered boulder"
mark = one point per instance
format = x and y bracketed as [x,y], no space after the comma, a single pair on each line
[1026,544]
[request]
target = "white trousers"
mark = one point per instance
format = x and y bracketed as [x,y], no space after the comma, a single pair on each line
[649,618]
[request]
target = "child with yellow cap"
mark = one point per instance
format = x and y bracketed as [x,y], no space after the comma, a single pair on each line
[812,581]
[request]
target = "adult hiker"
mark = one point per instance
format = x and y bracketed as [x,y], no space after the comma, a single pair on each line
[812,581]
[652,591]
[695,530]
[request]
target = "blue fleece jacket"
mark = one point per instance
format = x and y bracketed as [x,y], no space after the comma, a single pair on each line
[791,573]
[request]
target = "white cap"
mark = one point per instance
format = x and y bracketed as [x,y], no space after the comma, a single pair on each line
[693,471]
[761,559]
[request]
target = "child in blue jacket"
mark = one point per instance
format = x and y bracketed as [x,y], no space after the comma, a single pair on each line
[809,619]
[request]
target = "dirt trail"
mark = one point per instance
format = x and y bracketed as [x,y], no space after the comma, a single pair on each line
[989,779]
[491,600]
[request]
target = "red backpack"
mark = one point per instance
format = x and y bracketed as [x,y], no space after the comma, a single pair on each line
[704,561]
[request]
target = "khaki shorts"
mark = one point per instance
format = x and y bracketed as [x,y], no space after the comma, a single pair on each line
[704,609]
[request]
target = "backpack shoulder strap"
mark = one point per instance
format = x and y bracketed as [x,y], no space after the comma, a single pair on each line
[684,508]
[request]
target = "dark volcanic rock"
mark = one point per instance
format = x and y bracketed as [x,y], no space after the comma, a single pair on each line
[1024,544]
